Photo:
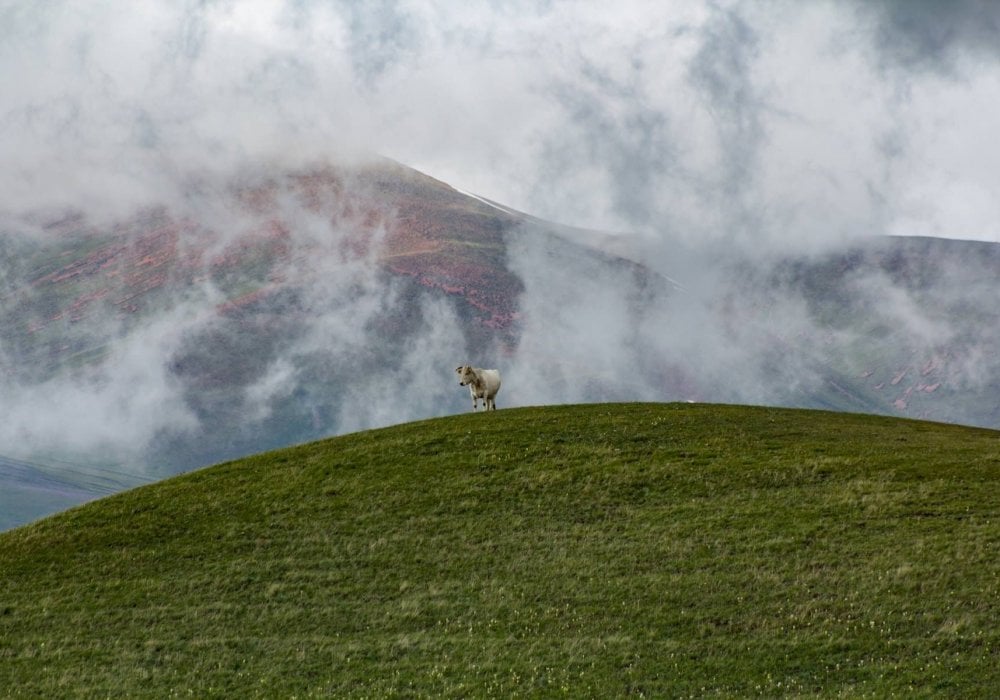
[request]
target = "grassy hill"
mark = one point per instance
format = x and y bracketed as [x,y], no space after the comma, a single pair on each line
[587,551]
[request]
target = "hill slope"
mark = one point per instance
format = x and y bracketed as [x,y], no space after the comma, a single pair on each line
[591,550]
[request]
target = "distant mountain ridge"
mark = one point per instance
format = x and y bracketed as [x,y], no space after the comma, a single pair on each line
[30,489]
[922,318]
[287,306]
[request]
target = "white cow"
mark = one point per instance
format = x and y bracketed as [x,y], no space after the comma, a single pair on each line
[483,384]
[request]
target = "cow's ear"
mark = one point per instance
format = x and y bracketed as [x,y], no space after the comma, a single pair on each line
[458,369]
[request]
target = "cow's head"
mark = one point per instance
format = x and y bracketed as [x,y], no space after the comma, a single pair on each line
[466,375]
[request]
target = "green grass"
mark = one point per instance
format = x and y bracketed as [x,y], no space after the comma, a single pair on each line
[581,551]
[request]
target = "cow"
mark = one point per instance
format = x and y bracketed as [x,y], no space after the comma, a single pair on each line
[483,384]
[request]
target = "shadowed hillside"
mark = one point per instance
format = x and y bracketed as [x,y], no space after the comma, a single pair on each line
[600,550]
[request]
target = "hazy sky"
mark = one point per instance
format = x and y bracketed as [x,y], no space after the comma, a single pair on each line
[757,122]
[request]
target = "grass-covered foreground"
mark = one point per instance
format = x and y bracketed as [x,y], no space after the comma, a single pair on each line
[587,551]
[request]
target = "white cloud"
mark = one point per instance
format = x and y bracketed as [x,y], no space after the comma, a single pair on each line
[631,115]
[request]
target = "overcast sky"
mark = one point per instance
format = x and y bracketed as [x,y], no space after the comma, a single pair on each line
[757,122]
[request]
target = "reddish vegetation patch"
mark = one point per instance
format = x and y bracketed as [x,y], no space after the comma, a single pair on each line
[491,292]
[403,242]
[931,365]
[928,377]
[424,229]
[245,300]
[411,225]
[150,253]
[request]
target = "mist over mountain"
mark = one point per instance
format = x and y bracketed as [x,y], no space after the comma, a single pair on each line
[333,299]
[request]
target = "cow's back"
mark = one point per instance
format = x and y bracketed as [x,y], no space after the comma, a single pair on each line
[491,381]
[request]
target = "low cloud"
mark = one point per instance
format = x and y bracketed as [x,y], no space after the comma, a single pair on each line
[784,124]
[108,411]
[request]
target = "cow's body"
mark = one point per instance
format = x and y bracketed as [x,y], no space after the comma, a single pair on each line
[483,384]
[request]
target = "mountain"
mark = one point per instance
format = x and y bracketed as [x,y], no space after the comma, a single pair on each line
[910,324]
[279,306]
[598,550]
[31,489]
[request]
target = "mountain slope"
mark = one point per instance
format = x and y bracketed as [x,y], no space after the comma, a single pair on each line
[273,309]
[282,306]
[30,489]
[595,550]
[912,322]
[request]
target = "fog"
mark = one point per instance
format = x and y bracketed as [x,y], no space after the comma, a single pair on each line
[717,138]
[763,123]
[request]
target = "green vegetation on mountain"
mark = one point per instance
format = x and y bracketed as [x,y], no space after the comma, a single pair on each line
[582,551]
